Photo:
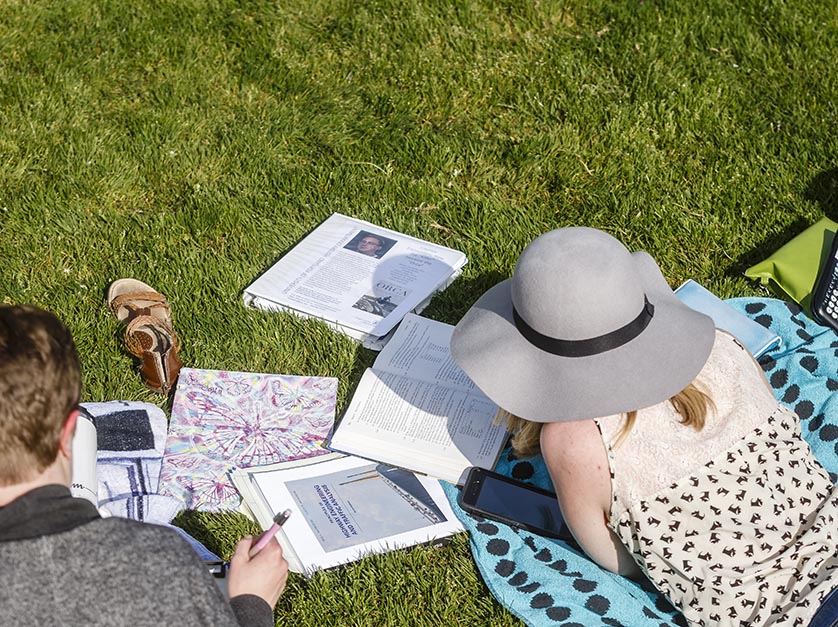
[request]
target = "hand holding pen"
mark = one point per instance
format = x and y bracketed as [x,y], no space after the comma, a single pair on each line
[259,568]
[219,569]
[266,537]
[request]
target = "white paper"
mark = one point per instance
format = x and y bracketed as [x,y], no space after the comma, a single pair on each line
[420,350]
[327,277]
[255,506]
[422,426]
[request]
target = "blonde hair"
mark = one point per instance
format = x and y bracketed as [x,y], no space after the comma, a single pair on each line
[526,435]
[692,403]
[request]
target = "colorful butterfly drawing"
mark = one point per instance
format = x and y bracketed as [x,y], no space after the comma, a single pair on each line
[222,420]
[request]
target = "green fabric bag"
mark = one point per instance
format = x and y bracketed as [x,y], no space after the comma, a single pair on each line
[794,268]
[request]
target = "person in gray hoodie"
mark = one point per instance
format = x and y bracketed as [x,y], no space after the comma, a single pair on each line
[63,563]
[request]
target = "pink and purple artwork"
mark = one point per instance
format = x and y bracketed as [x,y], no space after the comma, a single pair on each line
[225,420]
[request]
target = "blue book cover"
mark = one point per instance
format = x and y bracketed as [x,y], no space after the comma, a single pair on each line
[752,334]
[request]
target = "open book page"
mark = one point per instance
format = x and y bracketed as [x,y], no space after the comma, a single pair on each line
[420,350]
[355,275]
[345,508]
[84,449]
[434,421]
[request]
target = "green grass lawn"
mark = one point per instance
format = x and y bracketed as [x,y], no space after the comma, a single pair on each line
[189,144]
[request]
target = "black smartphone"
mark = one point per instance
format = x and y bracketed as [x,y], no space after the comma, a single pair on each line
[825,298]
[517,504]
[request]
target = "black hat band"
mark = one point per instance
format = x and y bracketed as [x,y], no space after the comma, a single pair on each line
[591,346]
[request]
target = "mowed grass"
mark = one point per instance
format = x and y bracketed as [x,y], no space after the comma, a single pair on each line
[190,144]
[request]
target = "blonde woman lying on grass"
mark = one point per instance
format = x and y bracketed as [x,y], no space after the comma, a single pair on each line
[669,453]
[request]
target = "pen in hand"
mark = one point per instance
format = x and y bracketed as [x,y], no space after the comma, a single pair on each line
[266,537]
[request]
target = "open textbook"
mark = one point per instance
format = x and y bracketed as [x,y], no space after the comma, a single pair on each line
[359,278]
[343,508]
[415,408]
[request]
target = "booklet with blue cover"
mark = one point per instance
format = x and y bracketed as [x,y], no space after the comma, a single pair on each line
[752,334]
[344,507]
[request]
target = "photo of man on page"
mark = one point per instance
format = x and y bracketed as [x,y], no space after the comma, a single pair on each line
[370,244]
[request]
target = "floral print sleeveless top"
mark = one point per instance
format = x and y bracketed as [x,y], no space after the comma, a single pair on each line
[737,524]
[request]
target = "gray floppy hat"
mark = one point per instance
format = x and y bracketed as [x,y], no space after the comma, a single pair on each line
[583,329]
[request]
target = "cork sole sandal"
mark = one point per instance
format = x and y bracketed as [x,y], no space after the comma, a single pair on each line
[130,298]
[155,344]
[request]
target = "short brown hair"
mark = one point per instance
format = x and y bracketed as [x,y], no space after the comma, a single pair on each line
[40,384]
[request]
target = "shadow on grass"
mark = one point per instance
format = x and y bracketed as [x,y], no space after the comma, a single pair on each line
[206,528]
[766,247]
[823,190]
[452,304]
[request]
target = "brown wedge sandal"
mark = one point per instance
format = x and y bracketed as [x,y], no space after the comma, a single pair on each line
[129,298]
[155,343]
[149,334]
